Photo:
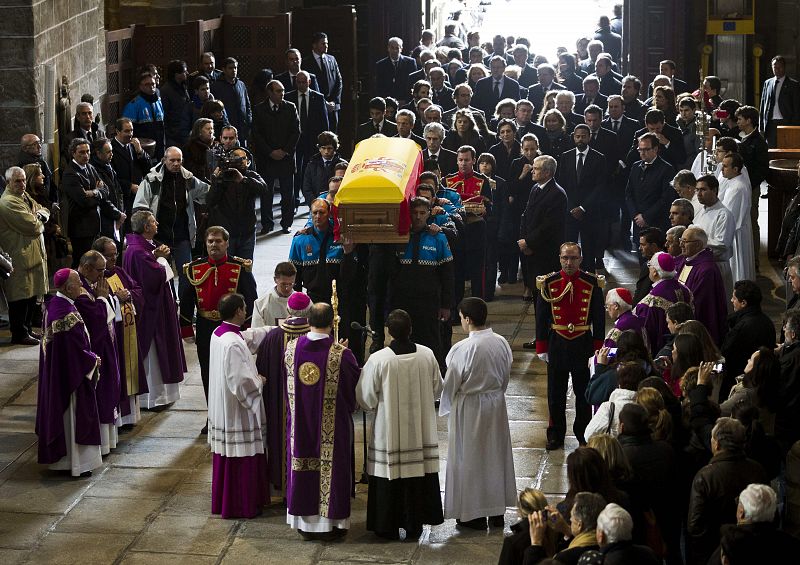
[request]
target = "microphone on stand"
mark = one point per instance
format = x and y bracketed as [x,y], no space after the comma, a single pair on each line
[365,329]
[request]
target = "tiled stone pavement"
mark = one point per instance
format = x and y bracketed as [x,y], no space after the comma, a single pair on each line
[150,502]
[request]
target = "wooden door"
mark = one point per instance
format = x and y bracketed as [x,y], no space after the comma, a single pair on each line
[158,45]
[120,72]
[339,22]
[256,43]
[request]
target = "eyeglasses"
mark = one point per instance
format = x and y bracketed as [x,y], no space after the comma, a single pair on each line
[689,240]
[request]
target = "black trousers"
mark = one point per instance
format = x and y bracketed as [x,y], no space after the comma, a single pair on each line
[287,201]
[591,236]
[381,263]
[471,265]
[568,358]
[80,245]
[202,338]
[20,317]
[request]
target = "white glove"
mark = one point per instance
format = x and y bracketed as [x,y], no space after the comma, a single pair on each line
[544,357]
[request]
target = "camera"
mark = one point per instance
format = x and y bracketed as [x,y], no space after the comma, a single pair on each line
[612,352]
[227,161]
[717,368]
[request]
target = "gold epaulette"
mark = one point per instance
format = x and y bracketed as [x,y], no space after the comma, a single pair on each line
[599,279]
[187,270]
[246,263]
[541,279]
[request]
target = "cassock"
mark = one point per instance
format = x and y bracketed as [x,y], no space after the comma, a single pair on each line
[701,275]
[269,362]
[236,424]
[66,414]
[98,319]
[270,308]
[626,321]
[720,227]
[735,195]
[653,309]
[158,330]
[401,383]
[321,378]
[480,470]
[133,380]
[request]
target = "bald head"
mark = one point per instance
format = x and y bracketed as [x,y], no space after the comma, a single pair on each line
[173,159]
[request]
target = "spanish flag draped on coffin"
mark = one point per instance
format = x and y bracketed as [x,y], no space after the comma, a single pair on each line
[372,203]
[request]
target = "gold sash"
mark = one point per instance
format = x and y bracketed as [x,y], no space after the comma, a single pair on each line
[130,354]
[684,275]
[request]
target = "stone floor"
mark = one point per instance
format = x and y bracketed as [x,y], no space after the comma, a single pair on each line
[150,502]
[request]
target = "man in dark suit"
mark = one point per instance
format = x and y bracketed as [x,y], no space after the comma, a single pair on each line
[669,137]
[527,74]
[441,94]
[293,65]
[582,174]
[82,194]
[208,69]
[83,127]
[523,115]
[276,130]
[391,73]
[631,87]
[492,89]
[543,223]
[591,95]
[422,72]
[608,82]
[326,69]
[405,123]
[313,121]
[649,193]
[130,162]
[547,76]
[377,121]
[462,96]
[447,160]
[602,139]
[667,68]
[780,101]
[622,125]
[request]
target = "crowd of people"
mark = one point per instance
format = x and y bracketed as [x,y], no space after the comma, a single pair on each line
[685,411]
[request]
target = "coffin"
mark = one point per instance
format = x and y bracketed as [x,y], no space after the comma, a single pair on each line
[372,203]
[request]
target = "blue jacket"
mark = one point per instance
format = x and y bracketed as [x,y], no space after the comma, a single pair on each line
[148,121]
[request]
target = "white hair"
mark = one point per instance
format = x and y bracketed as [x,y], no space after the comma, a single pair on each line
[759,503]
[700,233]
[615,523]
[11,171]
[662,274]
[433,127]
[614,297]
[407,113]
[566,94]
[676,231]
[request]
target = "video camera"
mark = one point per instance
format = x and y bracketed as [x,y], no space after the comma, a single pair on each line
[226,160]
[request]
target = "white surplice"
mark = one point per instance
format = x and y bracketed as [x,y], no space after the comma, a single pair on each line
[402,388]
[236,418]
[270,308]
[720,227]
[735,195]
[480,467]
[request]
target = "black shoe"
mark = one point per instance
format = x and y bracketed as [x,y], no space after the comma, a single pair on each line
[553,444]
[497,521]
[529,345]
[25,340]
[286,230]
[476,524]
[85,474]
[204,431]
[264,231]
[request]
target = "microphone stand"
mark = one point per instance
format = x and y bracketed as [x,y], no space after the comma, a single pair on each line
[364,476]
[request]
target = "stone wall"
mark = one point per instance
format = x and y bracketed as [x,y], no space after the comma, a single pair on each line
[33,33]
[152,12]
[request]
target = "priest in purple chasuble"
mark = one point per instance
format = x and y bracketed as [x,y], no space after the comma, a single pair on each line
[97,308]
[158,330]
[236,417]
[619,306]
[269,362]
[66,413]
[666,291]
[321,396]
[701,274]
[129,356]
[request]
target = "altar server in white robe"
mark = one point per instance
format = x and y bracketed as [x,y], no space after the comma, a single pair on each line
[734,192]
[401,382]
[236,418]
[480,468]
[718,223]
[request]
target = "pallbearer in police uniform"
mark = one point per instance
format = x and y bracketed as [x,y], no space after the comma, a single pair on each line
[476,197]
[209,280]
[570,325]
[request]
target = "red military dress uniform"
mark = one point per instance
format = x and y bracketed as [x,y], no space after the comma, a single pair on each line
[209,281]
[570,326]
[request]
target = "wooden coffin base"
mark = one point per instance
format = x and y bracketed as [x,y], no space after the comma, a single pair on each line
[370,223]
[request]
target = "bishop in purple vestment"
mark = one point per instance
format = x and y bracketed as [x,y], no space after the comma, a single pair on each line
[321,396]
[619,304]
[97,308]
[158,330]
[133,380]
[666,291]
[66,414]
[701,274]
[269,362]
